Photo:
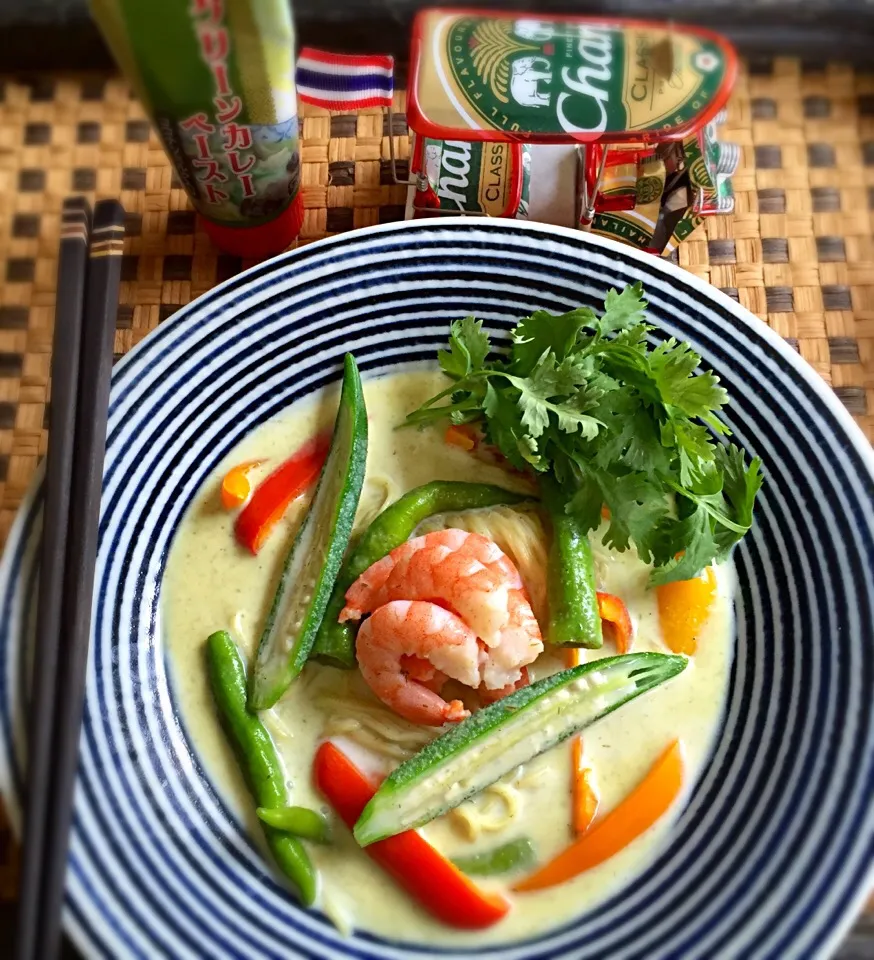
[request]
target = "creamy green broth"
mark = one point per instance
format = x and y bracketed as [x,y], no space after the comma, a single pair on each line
[212,583]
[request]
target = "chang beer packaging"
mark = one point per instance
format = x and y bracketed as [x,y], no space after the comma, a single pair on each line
[637,226]
[573,90]
[216,77]
[711,164]
[619,184]
[489,179]
[480,76]
[687,224]
[570,89]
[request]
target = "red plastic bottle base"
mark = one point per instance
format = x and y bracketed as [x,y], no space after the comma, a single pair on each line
[261,241]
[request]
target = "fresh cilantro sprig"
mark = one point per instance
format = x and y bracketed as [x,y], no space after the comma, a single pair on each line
[620,423]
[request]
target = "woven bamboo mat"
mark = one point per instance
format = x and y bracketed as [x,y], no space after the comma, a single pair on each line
[798,251]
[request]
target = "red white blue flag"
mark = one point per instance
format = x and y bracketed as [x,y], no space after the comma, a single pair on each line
[336,81]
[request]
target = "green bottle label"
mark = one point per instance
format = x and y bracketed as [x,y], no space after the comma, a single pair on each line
[217,79]
[564,77]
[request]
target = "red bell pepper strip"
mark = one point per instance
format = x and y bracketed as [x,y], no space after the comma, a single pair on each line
[436,883]
[613,611]
[270,501]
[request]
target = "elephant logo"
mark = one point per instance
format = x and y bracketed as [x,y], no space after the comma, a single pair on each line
[527,74]
[538,30]
[432,162]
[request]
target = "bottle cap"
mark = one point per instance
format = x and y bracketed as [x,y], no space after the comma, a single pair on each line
[260,241]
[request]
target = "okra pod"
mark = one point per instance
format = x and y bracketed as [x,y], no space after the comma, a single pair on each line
[574,620]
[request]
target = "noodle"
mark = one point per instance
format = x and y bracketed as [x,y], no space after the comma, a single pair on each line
[353,730]
[467,820]
[373,726]
[478,815]
[531,779]
[509,797]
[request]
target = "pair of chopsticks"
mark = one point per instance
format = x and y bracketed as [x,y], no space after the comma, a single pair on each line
[89,272]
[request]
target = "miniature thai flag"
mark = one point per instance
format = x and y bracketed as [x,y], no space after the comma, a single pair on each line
[336,81]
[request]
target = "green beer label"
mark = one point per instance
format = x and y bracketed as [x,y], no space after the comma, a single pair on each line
[477,177]
[564,77]
[702,159]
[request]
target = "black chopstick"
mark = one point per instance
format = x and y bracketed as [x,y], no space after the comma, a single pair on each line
[95,367]
[72,262]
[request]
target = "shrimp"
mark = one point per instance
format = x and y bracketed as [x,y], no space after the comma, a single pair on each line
[410,647]
[470,575]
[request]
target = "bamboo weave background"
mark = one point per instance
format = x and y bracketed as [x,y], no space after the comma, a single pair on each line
[798,251]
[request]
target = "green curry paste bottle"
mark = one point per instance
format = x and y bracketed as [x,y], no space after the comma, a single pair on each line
[217,80]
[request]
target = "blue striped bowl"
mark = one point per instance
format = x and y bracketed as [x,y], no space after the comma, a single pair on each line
[771,856]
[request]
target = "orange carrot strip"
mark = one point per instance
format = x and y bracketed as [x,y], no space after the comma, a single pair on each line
[636,813]
[584,793]
[236,486]
[585,800]
[684,606]
[458,436]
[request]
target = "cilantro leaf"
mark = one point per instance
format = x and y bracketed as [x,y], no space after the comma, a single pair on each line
[740,485]
[468,348]
[543,333]
[616,420]
[565,378]
[693,444]
[622,310]
[697,547]
[673,366]
[632,436]
[504,430]
[539,396]
[637,508]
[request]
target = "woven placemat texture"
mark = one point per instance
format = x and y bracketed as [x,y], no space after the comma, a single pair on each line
[798,251]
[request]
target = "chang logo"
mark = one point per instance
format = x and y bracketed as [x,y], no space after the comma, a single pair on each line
[455,161]
[589,80]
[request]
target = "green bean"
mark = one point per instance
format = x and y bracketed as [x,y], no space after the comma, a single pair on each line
[300,821]
[335,643]
[257,756]
[574,620]
[516,854]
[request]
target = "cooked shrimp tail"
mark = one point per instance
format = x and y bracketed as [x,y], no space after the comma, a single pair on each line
[407,647]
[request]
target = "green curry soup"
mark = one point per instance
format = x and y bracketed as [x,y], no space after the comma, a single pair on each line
[212,583]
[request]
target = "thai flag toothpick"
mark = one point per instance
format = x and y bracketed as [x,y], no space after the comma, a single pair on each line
[340,82]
